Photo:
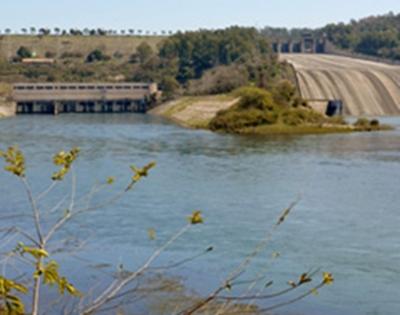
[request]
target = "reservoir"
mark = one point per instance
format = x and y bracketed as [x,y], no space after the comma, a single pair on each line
[346,222]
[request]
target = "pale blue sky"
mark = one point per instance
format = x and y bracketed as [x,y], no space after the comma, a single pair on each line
[159,15]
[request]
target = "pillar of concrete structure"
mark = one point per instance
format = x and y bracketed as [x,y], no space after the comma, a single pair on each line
[55,107]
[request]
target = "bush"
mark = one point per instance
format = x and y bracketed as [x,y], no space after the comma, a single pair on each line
[97,55]
[374,123]
[252,97]
[24,52]
[222,79]
[169,87]
[255,107]
[299,116]
[144,52]
[258,107]
[234,121]
[50,54]
[362,122]
[284,93]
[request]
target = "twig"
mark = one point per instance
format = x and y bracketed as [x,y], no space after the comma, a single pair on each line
[117,285]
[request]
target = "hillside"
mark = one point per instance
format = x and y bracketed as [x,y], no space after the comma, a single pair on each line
[58,46]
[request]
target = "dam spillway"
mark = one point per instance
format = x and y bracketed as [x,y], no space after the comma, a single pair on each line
[366,87]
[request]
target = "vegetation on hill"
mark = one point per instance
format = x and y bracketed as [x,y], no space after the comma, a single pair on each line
[196,63]
[376,36]
[210,62]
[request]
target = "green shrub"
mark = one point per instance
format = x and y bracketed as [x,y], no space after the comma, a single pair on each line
[97,55]
[252,97]
[219,80]
[362,122]
[299,116]
[233,121]
[284,93]
[374,123]
[24,52]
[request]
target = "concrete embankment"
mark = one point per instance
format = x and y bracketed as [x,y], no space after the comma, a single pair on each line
[7,106]
[367,88]
[194,111]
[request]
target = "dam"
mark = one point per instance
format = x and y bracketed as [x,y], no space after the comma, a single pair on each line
[367,88]
[56,98]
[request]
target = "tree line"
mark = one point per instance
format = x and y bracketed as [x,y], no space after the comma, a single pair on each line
[206,61]
[45,31]
[377,36]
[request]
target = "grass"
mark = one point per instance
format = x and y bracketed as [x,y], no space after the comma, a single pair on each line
[59,45]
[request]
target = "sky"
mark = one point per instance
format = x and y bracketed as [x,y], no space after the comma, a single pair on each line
[158,15]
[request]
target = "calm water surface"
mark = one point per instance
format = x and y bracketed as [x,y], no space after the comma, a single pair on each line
[347,221]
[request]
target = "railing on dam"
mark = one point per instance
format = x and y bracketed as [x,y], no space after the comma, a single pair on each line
[58,98]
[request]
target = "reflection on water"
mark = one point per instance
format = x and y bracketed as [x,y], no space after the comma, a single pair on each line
[347,221]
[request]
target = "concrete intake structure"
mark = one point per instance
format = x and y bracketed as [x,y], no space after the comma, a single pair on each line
[55,98]
[366,88]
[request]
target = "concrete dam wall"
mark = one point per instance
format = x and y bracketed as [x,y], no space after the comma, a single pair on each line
[365,87]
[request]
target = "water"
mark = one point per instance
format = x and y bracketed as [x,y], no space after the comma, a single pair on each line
[347,220]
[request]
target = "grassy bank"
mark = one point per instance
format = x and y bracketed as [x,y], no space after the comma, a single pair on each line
[282,129]
[195,111]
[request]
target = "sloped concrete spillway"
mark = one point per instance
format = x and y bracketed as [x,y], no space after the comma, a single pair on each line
[366,87]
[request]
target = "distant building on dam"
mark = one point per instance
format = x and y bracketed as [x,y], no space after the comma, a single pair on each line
[307,44]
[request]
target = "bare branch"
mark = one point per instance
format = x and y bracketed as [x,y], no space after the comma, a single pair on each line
[117,285]
[36,212]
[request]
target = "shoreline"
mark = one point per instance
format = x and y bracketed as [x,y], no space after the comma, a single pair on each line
[196,112]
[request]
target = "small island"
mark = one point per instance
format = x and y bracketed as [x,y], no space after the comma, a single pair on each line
[280,111]
[258,111]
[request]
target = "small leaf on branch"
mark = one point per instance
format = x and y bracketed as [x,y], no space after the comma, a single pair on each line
[196,218]
[327,278]
[152,234]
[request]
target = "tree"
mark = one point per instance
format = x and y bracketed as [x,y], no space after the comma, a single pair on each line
[101,32]
[144,52]
[96,55]
[169,87]
[24,52]
[24,30]
[33,30]
[44,31]
[57,30]
[7,31]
